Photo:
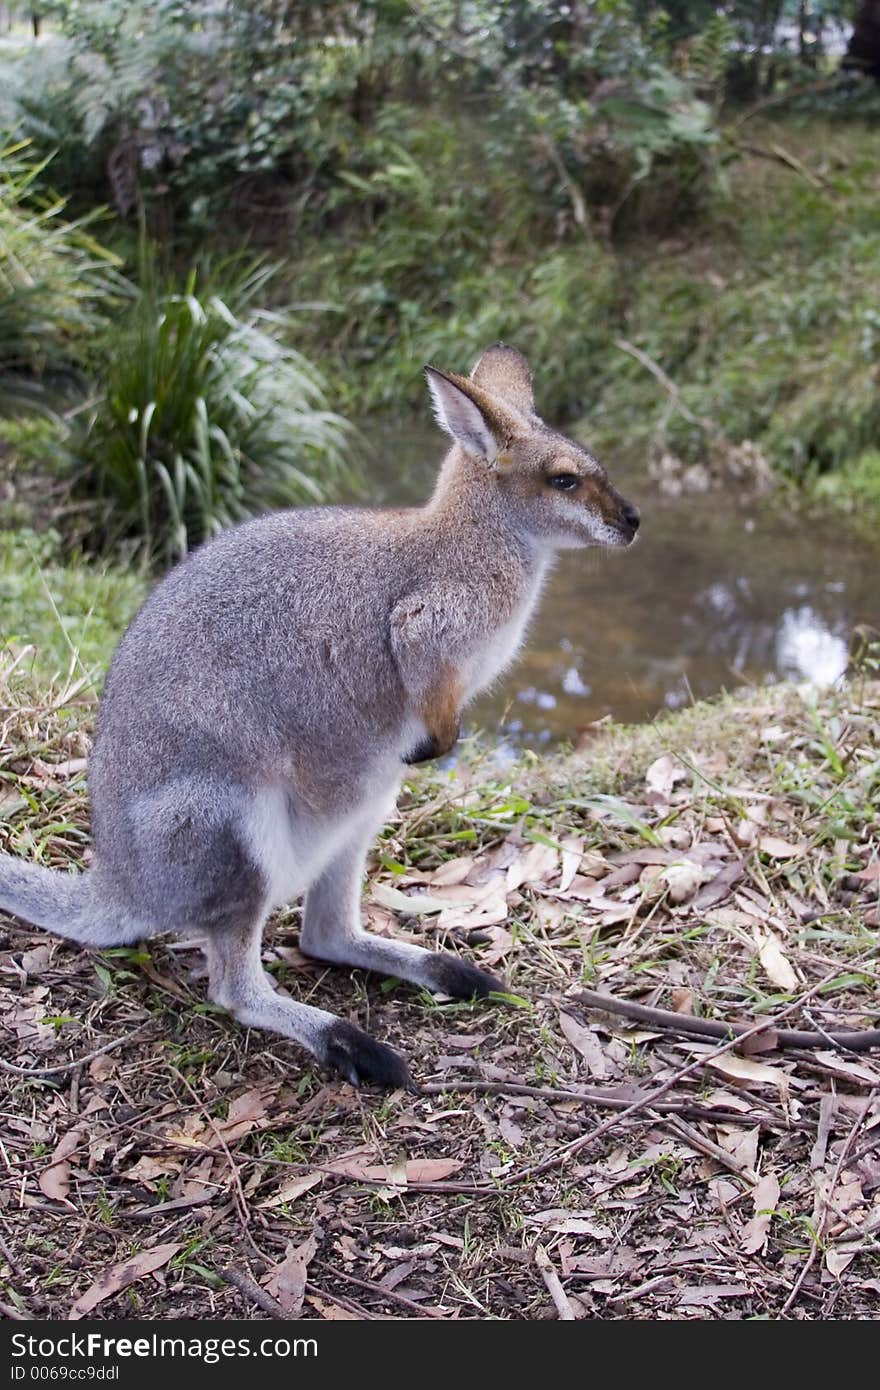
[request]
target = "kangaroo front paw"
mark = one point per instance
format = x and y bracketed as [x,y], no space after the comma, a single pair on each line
[434,745]
[460,979]
[423,752]
[358,1057]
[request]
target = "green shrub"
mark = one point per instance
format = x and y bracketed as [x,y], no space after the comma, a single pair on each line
[855,489]
[57,286]
[203,417]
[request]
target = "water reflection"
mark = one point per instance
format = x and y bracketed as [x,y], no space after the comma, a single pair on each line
[807,649]
[713,594]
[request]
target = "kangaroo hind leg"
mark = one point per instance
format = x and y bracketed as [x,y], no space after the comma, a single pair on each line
[238,982]
[332,931]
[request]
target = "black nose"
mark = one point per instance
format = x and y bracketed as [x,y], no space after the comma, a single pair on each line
[632,516]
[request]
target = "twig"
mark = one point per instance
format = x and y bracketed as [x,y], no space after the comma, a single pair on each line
[250,1289]
[10,1258]
[164,1208]
[80,1061]
[706,1146]
[554,1286]
[781,155]
[377,1289]
[860,1041]
[348,1304]
[824,84]
[576,1145]
[241,1200]
[667,383]
[606,1100]
[823,1216]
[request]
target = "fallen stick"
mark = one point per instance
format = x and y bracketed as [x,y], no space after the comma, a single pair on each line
[250,1289]
[860,1041]
[554,1285]
[79,1061]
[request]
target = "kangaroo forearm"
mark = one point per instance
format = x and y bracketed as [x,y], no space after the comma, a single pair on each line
[438,705]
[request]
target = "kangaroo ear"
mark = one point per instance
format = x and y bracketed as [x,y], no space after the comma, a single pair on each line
[505,373]
[467,413]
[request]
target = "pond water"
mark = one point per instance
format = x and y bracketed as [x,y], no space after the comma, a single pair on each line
[715,593]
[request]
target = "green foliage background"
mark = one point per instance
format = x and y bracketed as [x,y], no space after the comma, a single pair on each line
[633,193]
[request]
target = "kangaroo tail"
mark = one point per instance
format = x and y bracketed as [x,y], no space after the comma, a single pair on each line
[71,905]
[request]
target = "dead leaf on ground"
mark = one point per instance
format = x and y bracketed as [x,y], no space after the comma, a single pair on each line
[119,1277]
[54,1180]
[765,1199]
[745,1072]
[287,1281]
[293,1188]
[662,776]
[416,1170]
[775,848]
[584,1041]
[719,887]
[776,965]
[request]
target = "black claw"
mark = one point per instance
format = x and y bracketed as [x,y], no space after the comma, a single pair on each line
[358,1057]
[423,752]
[462,980]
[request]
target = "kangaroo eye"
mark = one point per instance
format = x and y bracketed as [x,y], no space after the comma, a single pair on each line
[565,482]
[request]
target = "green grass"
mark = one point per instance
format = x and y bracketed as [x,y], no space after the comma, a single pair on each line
[71,614]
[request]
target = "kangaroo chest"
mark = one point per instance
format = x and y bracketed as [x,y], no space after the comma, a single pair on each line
[494,656]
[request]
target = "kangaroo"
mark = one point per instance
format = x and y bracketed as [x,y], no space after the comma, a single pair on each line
[261,707]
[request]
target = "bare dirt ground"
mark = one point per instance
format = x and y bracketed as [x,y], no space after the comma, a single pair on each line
[159,1161]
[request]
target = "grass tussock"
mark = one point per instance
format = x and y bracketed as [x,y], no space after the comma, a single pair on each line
[721,863]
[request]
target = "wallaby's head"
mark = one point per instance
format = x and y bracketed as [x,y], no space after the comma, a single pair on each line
[552,487]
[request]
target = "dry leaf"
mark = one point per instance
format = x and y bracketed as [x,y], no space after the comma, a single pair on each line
[857,1073]
[775,962]
[55,1178]
[765,1197]
[836,1261]
[682,1001]
[774,848]
[536,865]
[683,879]
[584,1041]
[35,961]
[332,1312]
[120,1276]
[718,888]
[453,871]
[147,1169]
[287,1281]
[245,1113]
[418,903]
[572,853]
[741,1144]
[101,1068]
[416,1170]
[293,1188]
[662,776]
[746,1072]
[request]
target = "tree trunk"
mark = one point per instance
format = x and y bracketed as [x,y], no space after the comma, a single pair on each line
[864,46]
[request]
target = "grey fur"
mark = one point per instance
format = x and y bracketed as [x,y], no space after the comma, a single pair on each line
[259,710]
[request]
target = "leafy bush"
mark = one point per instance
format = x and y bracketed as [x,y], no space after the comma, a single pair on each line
[176,106]
[204,417]
[57,286]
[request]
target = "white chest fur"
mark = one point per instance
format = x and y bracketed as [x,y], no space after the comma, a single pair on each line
[494,658]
